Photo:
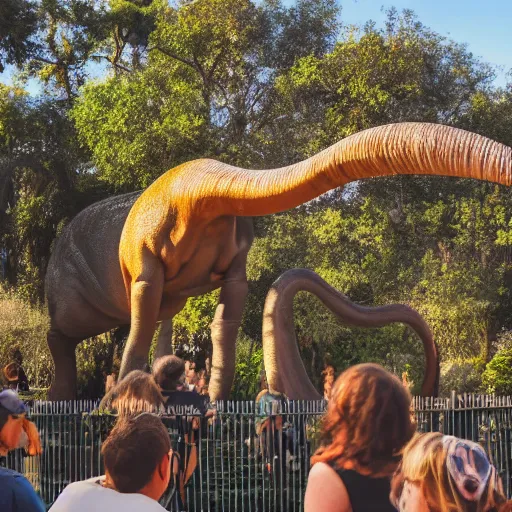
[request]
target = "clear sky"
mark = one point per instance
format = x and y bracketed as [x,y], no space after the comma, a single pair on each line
[485,25]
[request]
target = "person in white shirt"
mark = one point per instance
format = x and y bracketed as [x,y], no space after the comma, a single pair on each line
[137,456]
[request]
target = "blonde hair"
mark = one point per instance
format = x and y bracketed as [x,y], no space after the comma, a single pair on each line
[367,423]
[424,464]
[137,392]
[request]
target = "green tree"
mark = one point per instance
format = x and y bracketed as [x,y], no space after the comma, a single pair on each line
[18,24]
[139,126]
[43,183]
[206,88]
[403,72]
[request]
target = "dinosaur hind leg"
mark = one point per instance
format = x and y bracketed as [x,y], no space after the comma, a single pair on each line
[63,353]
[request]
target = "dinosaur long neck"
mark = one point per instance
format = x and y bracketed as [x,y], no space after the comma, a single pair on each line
[406,148]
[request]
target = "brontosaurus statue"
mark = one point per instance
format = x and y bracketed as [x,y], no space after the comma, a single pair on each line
[136,258]
[283,365]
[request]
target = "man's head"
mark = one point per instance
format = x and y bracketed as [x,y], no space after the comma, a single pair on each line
[12,414]
[137,455]
[169,372]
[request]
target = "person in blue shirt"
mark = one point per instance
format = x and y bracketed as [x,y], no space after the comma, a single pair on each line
[16,493]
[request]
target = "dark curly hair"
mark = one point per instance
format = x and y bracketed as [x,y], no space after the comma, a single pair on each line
[167,371]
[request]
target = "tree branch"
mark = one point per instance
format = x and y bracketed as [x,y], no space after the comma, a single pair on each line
[115,64]
[47,61]
[173,56]
[215,63]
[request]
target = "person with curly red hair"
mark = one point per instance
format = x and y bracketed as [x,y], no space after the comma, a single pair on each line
[366,427]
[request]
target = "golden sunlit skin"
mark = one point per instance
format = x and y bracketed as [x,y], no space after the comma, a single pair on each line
[283,364]
[135,259]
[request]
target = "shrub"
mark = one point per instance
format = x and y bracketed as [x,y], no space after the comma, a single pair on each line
[249,364]
[497,377]
[503,342]
[464,376]
[24,326]
[94,359]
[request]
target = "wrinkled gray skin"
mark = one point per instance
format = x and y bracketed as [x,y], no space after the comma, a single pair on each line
[84,285]
[138,260]
[283,364]
[87,296]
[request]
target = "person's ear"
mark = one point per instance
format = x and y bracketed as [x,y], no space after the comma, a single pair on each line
[164,468]
[175,462]
[108,480]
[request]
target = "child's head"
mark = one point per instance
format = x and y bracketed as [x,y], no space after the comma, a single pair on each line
[169,372]
[137,392]
[444,473]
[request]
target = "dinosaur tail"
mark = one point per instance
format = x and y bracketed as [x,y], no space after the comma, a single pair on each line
[283,364]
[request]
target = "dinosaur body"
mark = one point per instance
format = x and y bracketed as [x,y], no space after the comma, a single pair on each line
[137,258]
[87,294]
[283,365]
[76,275]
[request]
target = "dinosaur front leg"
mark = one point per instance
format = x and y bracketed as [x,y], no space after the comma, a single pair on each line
[146,296]
[224,328]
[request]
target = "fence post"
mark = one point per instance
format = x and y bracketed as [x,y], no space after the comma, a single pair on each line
[453,401]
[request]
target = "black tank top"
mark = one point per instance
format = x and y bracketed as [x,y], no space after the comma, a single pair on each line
[366,494]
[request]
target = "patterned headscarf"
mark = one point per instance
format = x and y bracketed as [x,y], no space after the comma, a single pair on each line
[439,473]
[468,467]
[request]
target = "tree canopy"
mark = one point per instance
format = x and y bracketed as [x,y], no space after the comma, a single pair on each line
[132,88]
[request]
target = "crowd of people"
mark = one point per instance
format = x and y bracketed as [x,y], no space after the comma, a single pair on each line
[370,456]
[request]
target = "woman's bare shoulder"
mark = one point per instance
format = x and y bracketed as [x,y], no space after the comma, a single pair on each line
[325,491]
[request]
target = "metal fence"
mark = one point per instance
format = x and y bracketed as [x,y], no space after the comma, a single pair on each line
[485,419]
[247,459]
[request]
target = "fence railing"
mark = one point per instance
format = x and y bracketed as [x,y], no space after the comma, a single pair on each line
[248,459]
[485,419]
